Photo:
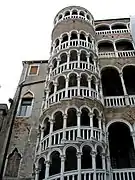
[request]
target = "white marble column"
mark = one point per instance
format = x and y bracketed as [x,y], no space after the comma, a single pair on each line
[86,40]
[64,127]
[50,133]
[78,85]
[78,124]
[89,85]
[78,59]
[46,99]
[93,154]
[55,90]
[36,173]
[78,35]
[79,165]
[69,36]
[68,59]
[62,166]
[50,71]
[88,61]
[58,63]
[115,50]
[42,132]
[103,160]
[133,137]
[66,91]
[47,169]
[91,123]
[97,84]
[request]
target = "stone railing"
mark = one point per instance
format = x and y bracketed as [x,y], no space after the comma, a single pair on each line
[70,93]
[119,101]
[74,65]
[129,53]
[123,174]
[116,31]
[73,43]
[86,133]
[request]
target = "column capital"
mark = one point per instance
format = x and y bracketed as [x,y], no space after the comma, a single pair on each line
[103,155]
[47,163]
[55,83]
[63,157]
[67,78]
[91,114]
[121,74]
[93,153]
[78,53]
[52,121]
[65,116]
[78,77]
[78,113]
[78,154]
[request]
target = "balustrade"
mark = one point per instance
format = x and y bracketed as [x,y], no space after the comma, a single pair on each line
[71,135]
[115,31]
[123,174]
[130,53]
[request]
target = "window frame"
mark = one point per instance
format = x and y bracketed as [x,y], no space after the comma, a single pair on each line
[30,66]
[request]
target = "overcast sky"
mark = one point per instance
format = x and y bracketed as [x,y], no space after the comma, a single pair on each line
[25,31]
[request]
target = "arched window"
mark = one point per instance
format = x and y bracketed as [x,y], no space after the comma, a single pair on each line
[57,43]
[58,121]
[111,82]
[63,58]
[54,63]
[83,56]
[99,158]
[42,167]
[119,26]
[91,59]
[95,119]
[71,159]
[121,146]
[82,36]
[88,17]
[46,127]
[26,105]
[71,117]
[89,40]
[64,38]
[93,83]
[55,165]
[81,13]
[86,159]
[67,13]
[72,80]
[51,88]
[73,36]
[85,119]
[61,83]
[124,45]
[128,75]
[105,46]
[60,16]
[102,28]
[83,80]
[73,56]
[74,12]
[13,164]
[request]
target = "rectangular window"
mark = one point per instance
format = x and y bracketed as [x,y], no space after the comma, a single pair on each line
[33,70]
[25,108]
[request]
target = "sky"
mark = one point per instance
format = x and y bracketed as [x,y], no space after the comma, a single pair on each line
[25,32]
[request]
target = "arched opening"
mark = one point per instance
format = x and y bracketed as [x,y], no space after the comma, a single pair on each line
[57,43]
[124,45]
[82,36]
[129,79]
[85,119]
[82,13]
[95,119]
[73,36]
[51,88]
[74,12]
[64,38]
[99,158]
[121,146]
[102,28]
[91,59]
[119,26]
[84,80]
[83,56]
[88,17]
[54,63]
[58,121]
[55,165]
[46,127]
[105,46]
[73,56]
[63,58]
[89,40]
[111,82]
[67,13]
[61,83]
[93,83]
[86,159]
[72,80]
[60,16]
[71,159]
[71,117]
[41,165]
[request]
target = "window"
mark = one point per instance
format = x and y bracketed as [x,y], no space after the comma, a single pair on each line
[33,70]
[25,108]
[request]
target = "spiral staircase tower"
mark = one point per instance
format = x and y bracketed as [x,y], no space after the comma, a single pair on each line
[72,144]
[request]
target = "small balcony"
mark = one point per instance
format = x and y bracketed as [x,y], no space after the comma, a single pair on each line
[123,174]
[116,31]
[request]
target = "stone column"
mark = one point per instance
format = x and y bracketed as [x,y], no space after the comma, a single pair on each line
[88,61]
[47,95]
[78,35]
[55,90]
[36,173]
[47,169]
[89,85]
[91,123]
[78,56]
[78,124]
[50,72]
[66,91]
[62,166]
[124,89]
[58,63]
[78,85]
[50,133]
[97,83]
[115,50]
[60,39]
[69,36]
[103,160]
[133,137]
[68,59]
[64,127]
[42,132]
[93,154]
[79,165]
[86,40]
